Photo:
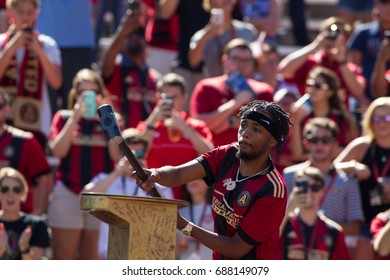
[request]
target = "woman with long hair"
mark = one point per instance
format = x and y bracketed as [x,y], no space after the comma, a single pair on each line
[322,100]
[368,158]
[78,140]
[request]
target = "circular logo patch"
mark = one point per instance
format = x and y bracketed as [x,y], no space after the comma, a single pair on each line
[244,198]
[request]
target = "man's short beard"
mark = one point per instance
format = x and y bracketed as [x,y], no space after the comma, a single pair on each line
[244,156]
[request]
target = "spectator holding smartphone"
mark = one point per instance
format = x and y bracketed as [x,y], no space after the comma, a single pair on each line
[305,234]
[206,46]
[328,50]
[29,63]
[173,136]
[216,100]
[79,142]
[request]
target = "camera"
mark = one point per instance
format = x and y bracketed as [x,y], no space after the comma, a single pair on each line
[333,32]
[303,185]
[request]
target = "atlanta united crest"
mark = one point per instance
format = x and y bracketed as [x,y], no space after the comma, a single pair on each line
[244,198]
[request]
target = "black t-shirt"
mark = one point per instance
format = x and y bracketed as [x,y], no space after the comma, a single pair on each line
[39,237]
[378,156]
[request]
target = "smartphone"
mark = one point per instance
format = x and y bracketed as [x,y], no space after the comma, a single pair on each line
[237,82]
[333,32]
[218,15]
[386,33]
[303,185]
[89,100]
[134,6]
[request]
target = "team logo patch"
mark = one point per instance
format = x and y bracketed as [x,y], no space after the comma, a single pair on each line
[328,241]
[244,198]
[292,235]
[29,112]
[8,151]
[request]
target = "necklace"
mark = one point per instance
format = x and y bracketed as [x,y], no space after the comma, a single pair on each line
[232,185]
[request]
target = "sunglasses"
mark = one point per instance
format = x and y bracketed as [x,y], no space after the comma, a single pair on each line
[378,119]
[313,83]
[5,189]
[315,140]
[304,186]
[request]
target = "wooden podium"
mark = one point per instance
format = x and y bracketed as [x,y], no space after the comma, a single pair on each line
[140,228]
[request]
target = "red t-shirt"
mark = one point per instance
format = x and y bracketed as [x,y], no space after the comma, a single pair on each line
[172,147]
[254,209]
[324,241]
[211,93]
[20,150]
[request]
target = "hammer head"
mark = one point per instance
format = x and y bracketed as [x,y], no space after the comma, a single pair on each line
[108,121]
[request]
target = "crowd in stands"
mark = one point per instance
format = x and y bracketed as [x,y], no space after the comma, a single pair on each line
[176,73]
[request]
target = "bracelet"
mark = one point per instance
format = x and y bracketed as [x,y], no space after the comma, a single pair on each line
[25,251]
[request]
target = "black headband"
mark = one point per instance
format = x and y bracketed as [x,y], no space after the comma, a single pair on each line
[262,120]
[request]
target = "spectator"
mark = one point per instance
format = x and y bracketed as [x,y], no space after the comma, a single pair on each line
[161,36]
[322,100]
[119,181]
[189,24]
[353,11]
[29,62]
[22,236]
[265,15]
[200,213]
[266,67]
[380,228]
[363,46]
[368,157]
[129,79]
[327,50]
[380,78]
[216,100]
[20,149]
[341,200]
[109,14]
[242,231]
[80,144]
[207,44]
[307,235]
[4,20]
[174,137]
[282,153]
[70,24]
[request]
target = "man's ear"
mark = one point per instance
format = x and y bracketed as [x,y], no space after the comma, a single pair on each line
[224,59]
[273,142]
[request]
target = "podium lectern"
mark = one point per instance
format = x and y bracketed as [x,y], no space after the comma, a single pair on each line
[140,228]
